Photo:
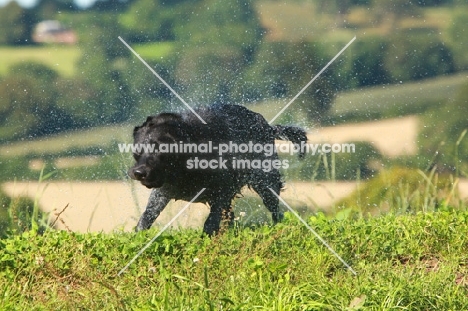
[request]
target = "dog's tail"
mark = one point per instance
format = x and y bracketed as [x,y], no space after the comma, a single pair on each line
[292,133]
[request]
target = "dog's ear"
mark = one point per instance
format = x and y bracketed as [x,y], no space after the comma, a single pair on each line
[171,123]
[149,118]
[168,118]
[135,130]
[163,118]
[150,121]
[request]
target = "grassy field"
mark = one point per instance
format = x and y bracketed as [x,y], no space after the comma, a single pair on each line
[155,50]
[400,98]
[416,262]
[100,137]
[303,20]
[377,102]
[59,57]
[63,58]
[291,21]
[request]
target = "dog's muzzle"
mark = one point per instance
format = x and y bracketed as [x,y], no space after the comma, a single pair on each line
[137,173]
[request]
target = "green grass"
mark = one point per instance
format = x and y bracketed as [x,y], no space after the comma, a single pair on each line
[292,21]
[155,50]
[63,58]
[99,137]
[400,99]
[407,262]
[305,20]
[59,57]
[101,143]
[373,103]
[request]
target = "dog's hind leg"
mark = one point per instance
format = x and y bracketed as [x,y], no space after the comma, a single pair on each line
[156,203]
[262,186]
[220,211]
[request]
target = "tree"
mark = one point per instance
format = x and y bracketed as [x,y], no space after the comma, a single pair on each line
[458,34]
[206,74]
[139,20]
[48,9]
[16,24]
[111,5]
[232,24]
[396,8]
[104,64]
[411,56]
[282,69]
[28,102]
[390,13]
[217,43]
[368,61]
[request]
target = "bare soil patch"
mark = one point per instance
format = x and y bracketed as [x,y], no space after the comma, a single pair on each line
[392,137]
[108,206]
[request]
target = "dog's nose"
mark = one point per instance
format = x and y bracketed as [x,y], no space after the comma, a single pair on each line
[138,174]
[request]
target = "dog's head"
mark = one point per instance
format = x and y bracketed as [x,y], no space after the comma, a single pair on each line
[152,167]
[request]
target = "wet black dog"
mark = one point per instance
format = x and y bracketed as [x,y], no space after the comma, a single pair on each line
[232,150]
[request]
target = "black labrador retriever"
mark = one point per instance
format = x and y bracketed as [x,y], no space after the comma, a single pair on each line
[232,150]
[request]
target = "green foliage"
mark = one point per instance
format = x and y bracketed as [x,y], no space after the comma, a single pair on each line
[28,105]
[417,55]
[378,102]
[282,69]
[104,64]
[138,20]
[16,24]
[233,24]
[83,142]
[398,8]
[406,262]
[442,134]
[155,51]
[12,168]
[458,34]
[61,58]
[218,53]
[403,190]
[205,73]
[20,214]
[368,60]
[217,45]
[358,164]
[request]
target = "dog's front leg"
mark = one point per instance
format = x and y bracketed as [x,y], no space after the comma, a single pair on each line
[156,203]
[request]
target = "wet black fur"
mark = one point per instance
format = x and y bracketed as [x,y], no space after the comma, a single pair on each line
[170,178]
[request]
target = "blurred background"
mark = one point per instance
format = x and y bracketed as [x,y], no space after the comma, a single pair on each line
[70,91]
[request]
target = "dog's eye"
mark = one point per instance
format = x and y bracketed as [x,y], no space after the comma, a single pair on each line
[150,161]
